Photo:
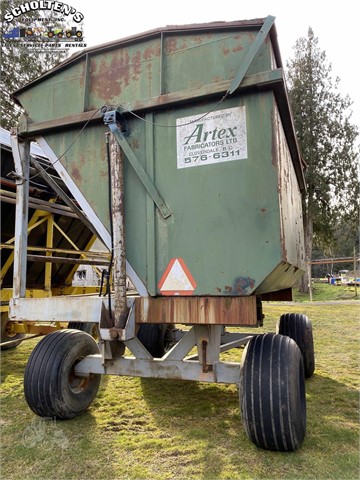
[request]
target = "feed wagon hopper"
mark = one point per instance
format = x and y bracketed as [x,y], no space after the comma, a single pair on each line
[179,146]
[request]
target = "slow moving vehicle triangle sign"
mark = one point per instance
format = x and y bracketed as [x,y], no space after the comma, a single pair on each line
[177,279]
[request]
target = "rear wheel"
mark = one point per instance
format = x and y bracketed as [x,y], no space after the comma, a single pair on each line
[51,387]
[298,327]
[272,392]
[7,336]
[155,338]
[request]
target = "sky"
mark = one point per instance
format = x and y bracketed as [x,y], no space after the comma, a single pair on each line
[333,22]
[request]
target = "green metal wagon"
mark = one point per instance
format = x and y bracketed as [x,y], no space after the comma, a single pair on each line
[179,147]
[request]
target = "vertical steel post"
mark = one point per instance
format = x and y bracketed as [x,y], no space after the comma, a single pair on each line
[49,244]
[355,271]
[310,285]
[21,154]
[118,221]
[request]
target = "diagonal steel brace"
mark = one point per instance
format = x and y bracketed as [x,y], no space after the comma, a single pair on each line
[251,54]
[110,119]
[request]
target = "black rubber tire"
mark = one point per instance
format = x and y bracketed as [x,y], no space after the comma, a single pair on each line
[51,388]
[152,336]
[88,327]
[272,392]
[298,327]
[5,337]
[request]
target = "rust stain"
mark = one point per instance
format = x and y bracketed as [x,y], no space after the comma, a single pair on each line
[171,46]
[98,66]
[263,210]
[198,39]
[149,72]
[237,48]
[76,175]
[274,140]
[226,51]
[243,285]
[136,65]
[135,144]
[105,87]
[109,78]
[283,243]
[152,52]
[197,310]
[217,79]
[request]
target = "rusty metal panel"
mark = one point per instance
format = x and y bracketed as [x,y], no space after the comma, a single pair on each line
[57,94]
[197,310]
[291,217]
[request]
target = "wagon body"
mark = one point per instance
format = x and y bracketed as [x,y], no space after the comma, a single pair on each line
[178,146]
[226,167]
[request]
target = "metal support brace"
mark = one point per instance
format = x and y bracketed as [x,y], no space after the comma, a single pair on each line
[21,154]
[118,233]
[49,244]
[223,372]
[110,119]
[60,192]
[251,54]
[208,345]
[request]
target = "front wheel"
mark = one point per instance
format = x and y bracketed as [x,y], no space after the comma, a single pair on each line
[272,393]
[51,387]
[88,327]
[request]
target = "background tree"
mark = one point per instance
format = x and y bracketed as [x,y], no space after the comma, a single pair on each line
[327,139]
[20,64]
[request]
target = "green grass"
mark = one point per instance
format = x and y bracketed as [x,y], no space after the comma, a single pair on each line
[323,292]
[163,429]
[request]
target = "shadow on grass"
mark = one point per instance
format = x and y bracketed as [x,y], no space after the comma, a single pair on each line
[332,410]
[207,417]
[202,417]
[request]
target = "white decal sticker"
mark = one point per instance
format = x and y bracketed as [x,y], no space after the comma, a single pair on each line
[219,137]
